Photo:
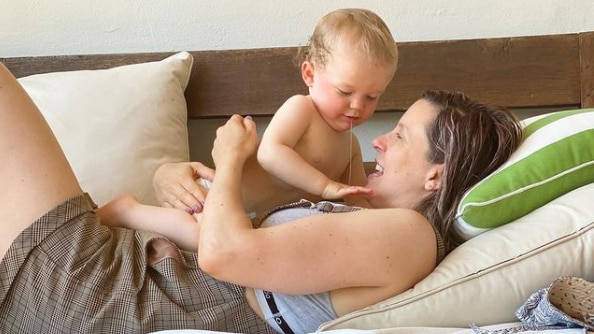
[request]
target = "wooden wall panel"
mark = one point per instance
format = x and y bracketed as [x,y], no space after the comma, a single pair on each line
[515,72]
[587,69]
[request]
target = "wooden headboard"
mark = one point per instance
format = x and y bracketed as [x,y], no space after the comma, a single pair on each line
[542,72]
[536,71]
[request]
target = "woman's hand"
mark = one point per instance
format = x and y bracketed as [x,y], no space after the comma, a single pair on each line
[235,142]
[176,185]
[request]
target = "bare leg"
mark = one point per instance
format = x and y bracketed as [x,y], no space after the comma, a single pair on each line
[34,175]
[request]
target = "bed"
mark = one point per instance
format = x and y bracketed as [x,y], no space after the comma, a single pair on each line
[120,116]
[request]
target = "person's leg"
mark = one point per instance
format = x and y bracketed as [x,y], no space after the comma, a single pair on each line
[34,174]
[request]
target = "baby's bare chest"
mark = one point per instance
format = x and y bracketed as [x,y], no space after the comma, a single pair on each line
[327,150]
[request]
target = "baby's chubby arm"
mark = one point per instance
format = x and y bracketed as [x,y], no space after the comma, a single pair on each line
[277,154]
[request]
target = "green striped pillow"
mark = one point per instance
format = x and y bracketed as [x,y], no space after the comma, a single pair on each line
[557,156]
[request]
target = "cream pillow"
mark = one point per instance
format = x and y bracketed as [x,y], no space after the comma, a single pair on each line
[117,126]
[486,279]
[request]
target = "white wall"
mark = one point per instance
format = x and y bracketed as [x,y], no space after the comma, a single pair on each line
[57,27]
[41,27]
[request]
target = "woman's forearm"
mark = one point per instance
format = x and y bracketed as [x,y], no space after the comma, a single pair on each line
[224,215]
[224,221]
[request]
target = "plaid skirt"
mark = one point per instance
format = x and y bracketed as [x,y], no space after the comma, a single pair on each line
[68,273]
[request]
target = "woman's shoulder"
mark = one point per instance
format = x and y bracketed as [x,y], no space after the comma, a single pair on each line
[399,245]
[403,220]
[415,241]
[408,229]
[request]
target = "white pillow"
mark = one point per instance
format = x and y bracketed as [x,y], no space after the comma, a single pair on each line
[486,279]
[117,126]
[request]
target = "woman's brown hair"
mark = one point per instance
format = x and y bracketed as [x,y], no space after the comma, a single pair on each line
[471,140]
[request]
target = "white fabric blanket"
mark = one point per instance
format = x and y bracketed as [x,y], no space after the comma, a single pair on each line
[408,330]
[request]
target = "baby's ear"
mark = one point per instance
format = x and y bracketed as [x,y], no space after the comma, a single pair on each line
[307,73]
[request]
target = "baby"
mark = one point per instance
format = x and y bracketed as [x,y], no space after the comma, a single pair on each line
[308,145]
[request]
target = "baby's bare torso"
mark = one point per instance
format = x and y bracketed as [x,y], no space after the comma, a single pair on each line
[322,147]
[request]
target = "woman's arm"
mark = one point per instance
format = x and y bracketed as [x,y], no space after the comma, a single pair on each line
[386,250]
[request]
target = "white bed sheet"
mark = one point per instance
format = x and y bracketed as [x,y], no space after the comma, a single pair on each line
[408,330]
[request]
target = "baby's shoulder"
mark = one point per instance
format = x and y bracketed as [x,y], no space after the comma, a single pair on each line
[299,101]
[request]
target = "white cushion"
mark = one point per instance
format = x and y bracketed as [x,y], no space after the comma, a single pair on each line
[487,278]
[116,126]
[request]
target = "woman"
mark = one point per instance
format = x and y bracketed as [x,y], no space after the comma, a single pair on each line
[66,272]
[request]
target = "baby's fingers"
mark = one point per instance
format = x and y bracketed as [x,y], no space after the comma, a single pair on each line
[357,190]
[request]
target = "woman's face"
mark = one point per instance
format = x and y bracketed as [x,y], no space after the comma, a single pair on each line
[405,175]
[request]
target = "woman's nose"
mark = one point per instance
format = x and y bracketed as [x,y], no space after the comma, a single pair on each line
[379,143]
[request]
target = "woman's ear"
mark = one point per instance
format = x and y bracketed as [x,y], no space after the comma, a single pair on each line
[433,180]
[307,73]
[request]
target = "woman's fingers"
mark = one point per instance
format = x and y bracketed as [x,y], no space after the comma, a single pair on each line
[191,196]
[175,185]
[235,141]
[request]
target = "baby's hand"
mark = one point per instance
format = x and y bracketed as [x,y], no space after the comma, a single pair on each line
[336,190]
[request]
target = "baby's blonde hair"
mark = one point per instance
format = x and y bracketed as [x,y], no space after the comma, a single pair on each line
[363,28]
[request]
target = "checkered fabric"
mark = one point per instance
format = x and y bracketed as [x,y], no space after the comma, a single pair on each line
[67,273]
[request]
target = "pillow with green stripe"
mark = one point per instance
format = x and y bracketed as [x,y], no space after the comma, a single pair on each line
[557,156]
